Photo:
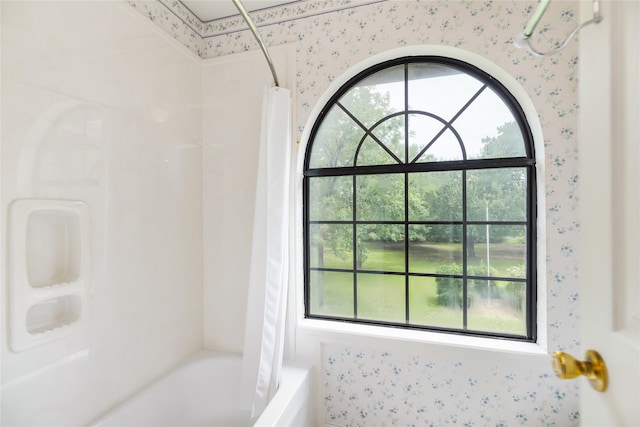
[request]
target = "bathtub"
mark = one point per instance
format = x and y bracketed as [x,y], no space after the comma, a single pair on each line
[204,392]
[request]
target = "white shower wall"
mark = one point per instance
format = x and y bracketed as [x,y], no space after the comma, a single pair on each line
[99,106]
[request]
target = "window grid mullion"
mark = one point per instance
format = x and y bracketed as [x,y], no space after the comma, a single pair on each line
[367,132]
[410,274]
[490,222]
[504,162]
[448,125]
[355,247]
[406,195]
[465,288]
[406,247]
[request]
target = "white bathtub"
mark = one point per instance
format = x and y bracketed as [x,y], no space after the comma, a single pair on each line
[204,392]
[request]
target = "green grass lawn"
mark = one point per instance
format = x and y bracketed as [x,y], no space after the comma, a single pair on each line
[382,297]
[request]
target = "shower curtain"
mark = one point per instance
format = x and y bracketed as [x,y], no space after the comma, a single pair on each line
[268,276]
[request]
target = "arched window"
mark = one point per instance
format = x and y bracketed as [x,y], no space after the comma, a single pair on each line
[420,201]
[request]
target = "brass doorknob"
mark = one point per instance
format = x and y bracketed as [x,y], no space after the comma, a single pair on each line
[593,367]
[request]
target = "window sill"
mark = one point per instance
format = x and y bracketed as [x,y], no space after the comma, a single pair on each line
[349,333]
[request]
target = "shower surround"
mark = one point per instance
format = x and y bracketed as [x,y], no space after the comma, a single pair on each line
[100,107]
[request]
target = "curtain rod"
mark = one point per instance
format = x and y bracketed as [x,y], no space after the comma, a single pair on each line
[254,30]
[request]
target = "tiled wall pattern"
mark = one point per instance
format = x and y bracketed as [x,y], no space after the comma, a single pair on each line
[372,387]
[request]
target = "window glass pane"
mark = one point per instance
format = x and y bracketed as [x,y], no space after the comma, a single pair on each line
[381,247]
[435,196]
[435,301]
[391,133]
[372,153]
[380,197]
[497,306]
[422,131]
[335,142]
[440,89]
[376,96]
[504,256]
[330,198]
[497,194]
[381,297]
[330,246]
[433,247]
[489,130]
[331,293]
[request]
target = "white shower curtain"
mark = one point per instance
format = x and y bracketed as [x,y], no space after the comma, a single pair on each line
[266,303]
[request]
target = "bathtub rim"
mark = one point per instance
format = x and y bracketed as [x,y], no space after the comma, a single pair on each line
[293,377]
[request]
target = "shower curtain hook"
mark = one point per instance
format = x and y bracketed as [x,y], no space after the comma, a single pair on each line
[522,39]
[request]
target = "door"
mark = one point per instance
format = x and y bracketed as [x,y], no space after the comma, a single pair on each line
[610,160]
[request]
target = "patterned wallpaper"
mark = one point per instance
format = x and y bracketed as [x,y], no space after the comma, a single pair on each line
[373,387]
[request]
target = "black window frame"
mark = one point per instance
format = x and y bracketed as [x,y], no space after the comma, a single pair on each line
[528,162]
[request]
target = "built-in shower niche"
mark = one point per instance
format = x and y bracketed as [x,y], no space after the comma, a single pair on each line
[53,313]
[48,270]
[53,247]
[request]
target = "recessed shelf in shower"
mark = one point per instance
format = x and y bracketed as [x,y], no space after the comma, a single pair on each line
[48,270]
[53,247]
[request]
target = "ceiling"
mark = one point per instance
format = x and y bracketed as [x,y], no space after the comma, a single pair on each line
[207,10]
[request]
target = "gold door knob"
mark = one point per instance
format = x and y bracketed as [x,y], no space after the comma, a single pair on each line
[593,367]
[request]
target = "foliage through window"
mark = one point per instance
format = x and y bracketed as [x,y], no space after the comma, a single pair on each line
[419,202]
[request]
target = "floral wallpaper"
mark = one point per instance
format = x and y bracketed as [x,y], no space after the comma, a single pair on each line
[374,387]
[174,18]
